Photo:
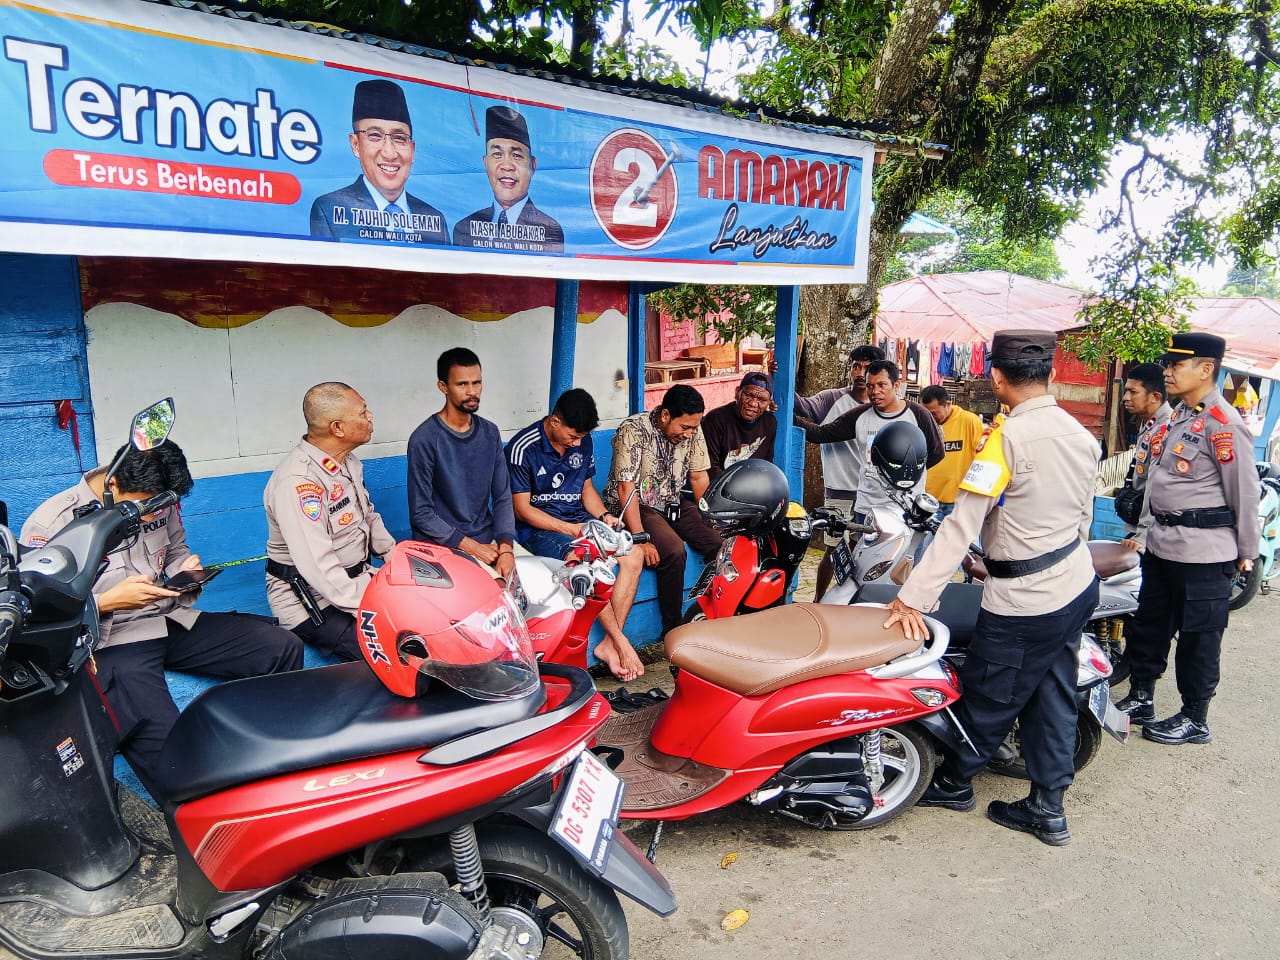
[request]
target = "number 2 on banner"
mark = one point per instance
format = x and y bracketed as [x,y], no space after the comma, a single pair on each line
[625,209]
[634,191]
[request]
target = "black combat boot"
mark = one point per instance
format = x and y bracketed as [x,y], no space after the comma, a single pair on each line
[1139,703]
[1040,815]
[1188,725]
[946,790]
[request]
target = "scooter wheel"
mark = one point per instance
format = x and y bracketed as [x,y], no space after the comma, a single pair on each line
[908,757]
[695,614]
[1244,586]
[528,872]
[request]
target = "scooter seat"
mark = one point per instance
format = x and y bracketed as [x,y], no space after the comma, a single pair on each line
[249,730]
[762,652]
[1110,558]
[958,607]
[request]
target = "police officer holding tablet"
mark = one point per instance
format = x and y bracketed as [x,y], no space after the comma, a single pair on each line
[1199,526]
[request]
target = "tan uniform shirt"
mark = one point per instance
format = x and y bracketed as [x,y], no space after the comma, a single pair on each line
[658,467]
[1028,491]
[160,549]
[320,520]
[1206,461]
[1150,443]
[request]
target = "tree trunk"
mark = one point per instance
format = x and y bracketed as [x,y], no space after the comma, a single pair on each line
[828,338]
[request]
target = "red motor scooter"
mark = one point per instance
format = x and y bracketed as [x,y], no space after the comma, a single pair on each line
[816,712]
[766,537]
[338,811]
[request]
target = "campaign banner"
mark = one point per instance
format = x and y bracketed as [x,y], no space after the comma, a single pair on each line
[145,130]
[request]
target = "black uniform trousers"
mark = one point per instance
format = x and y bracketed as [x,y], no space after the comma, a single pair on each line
[670,539]
[335,637]
[1024,669]
[227,646]
[1191,599]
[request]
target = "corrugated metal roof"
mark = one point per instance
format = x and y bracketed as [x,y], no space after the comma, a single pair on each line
[659,93]
[963,307]
[1251,327]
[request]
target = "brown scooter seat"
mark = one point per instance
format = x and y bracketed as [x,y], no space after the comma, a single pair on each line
[762,652]
[1110,558]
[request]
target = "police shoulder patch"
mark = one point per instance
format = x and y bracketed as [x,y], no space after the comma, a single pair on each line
[310,498]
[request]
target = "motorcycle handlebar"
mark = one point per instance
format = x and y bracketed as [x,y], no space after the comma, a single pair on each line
[581,583]
[640,538]
[13,612]
[161,500]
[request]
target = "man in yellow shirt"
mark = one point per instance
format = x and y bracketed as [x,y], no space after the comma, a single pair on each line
[961,431]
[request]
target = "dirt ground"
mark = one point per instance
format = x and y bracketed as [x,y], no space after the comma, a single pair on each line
[1174,854]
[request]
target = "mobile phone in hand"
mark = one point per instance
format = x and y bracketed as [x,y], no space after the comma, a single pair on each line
[188,580]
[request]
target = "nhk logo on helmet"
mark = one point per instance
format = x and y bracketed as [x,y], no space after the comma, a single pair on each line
[371,641]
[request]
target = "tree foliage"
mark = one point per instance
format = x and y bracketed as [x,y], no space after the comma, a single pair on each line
[734,312]
[1032,98]
[979,244]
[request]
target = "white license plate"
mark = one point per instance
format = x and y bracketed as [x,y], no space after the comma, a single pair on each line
[1115,722]
[588,812]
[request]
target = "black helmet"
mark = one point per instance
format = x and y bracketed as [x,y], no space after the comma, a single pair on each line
[899,452]
[750,495]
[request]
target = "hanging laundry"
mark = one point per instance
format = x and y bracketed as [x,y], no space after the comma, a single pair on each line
[947,360]
[978,364]
[986,369]
[901,357]
[935,362]
[890,348]
[913,361]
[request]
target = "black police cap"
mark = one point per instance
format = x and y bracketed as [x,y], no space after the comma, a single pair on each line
[1183,346]
[1024,345]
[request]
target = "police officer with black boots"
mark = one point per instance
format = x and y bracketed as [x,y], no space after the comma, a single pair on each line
[1199,527]
[1029,493]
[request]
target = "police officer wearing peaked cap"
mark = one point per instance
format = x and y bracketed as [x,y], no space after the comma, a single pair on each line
[1199,527]
[1029,494]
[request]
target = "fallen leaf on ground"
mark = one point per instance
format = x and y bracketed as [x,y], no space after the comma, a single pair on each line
[728,859]
[734,919]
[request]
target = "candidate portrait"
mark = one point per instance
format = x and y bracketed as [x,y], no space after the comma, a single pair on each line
[377,207]
[511,222]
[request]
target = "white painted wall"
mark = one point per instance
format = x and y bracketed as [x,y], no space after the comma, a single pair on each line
[239,392]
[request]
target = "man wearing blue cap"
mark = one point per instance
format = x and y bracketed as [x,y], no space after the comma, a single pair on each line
[377,207]
[743,429]
[1199,527]
[512,222]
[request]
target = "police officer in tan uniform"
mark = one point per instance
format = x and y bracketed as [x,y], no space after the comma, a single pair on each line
[147,627]
[1029,493]
[1144,397]
[321,525]
[1199,527]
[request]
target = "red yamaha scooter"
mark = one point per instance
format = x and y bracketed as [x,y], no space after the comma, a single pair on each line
[329,812]
[815,712]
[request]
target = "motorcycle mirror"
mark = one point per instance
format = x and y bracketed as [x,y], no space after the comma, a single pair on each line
[150,429]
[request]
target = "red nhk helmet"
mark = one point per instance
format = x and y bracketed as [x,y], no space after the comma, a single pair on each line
[432,611]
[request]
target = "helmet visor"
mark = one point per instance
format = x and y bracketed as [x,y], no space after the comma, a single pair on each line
[487,655]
